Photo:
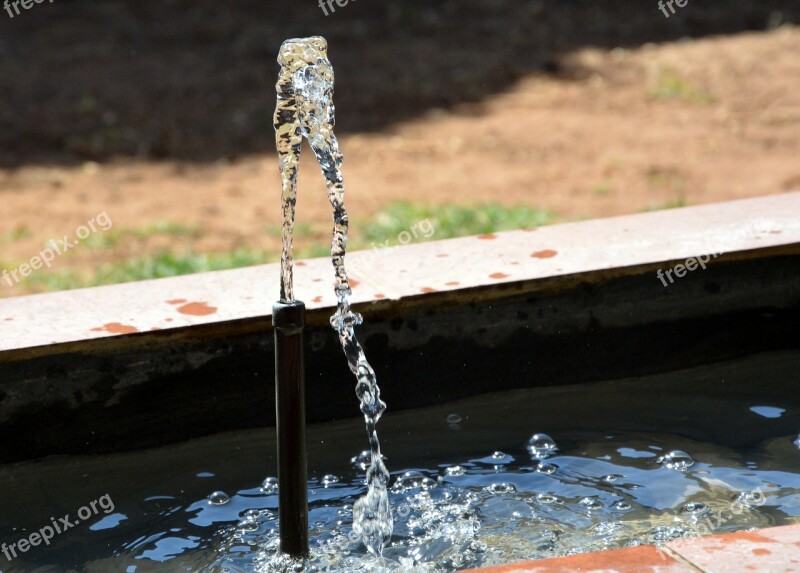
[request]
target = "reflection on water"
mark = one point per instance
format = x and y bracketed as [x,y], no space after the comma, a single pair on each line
[520,475]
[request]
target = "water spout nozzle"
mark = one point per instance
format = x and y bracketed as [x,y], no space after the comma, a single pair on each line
[288,320]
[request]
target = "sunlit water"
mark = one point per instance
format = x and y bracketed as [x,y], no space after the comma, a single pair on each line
[487,480]
[502,506]
[305,110]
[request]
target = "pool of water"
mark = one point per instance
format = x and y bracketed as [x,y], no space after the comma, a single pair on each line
[621,463]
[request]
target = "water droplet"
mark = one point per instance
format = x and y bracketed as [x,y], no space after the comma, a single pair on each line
[270,485]
[676,460]
[218,498]
[453,419]
[621,505]
[362,460]
[500,488]
[498,455]
[591,504]
[541,446]
[612,478]
[547,469]
[695,508]
[546,498]
[329,479]
[455,471]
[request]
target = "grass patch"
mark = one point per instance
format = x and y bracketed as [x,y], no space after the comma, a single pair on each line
[167,264]
[111,238]
[603,189]
[159,265]
[446,221]
[676,203]
[669,86]
[450,221]
[18,233]
[666,179]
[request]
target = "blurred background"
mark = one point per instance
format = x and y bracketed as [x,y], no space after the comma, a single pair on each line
[478,115]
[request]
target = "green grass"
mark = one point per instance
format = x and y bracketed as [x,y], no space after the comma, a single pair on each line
[603,189]
[112,238]
[450,221]
[159,265]
[666,179]
[673,204]
[669,85]
[18,233]
[446,221]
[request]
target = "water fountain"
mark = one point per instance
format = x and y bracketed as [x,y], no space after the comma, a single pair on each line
[305,110]
[483,355]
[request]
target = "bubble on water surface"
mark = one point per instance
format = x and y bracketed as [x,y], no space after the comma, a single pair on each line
[621,505]
[546,498]
[676,460]
[547,469]
[413,479]
[500,488]
[747,499]
[455,471]
[218,498]
[591,504]
[664,533]
[270,485]
[612,478]
[541,446]
[695,508]
[329,479]
[453,419]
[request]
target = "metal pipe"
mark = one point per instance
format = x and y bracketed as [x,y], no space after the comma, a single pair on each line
[288,320]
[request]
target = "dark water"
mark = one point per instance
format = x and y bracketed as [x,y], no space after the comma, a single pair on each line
[470,492]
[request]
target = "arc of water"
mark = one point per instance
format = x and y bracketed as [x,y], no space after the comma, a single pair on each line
[305,109]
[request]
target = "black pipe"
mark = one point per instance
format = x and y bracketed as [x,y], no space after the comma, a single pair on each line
[288,320]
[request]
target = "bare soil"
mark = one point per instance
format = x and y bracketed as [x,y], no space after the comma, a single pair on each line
[592,124]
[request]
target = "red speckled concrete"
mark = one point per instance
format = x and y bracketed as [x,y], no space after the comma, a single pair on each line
[404,272]
[774,550]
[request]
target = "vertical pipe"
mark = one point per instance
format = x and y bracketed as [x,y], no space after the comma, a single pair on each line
[288,320]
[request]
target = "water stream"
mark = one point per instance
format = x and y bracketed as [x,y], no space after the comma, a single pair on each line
[305,110]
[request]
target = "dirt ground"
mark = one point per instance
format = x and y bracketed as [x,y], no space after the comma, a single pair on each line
[589,131]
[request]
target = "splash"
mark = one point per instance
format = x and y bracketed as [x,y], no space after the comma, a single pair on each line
[305,110]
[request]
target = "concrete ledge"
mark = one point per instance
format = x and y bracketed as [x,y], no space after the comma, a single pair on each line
[477,314]
[594,250]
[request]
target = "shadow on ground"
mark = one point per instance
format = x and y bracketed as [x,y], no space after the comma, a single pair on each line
[194,79]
